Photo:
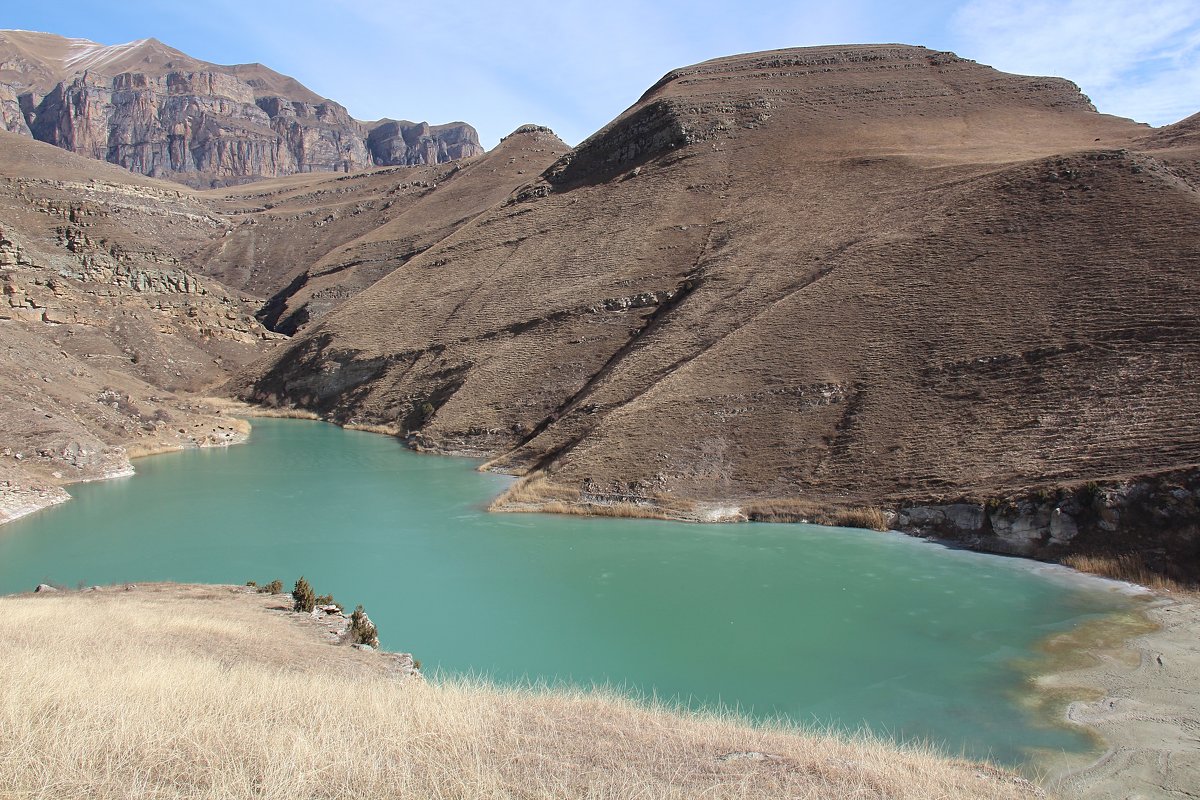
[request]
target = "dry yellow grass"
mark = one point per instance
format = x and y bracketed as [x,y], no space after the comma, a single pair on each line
[792,510]
[210,692]
[1129,567]
[535,493]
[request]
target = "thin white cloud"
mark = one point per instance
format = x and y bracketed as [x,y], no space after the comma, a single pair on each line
[1136,58]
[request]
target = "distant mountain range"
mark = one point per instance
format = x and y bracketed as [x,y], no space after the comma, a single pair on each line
[157,111]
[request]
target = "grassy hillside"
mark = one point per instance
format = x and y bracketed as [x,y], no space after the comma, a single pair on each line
[170,692]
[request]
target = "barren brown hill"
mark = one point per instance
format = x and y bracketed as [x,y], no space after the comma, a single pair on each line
[311,244]
[805,282]
[158,111]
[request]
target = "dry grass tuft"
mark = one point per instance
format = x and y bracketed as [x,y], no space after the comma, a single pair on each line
[230,407]
[794,510]
[533,490]
[536,493]
[869,518]
[1129,567]
[387,430]
[190,692]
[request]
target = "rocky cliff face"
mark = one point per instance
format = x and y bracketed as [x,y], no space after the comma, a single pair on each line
[12,119]
[411,143]
[197,127]
[203,124]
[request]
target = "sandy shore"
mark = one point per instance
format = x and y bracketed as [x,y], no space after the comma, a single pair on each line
[1147,711]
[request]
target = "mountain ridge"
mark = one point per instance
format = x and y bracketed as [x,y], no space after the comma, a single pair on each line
[156,110]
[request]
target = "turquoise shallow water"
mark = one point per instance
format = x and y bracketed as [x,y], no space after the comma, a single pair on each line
[819,625]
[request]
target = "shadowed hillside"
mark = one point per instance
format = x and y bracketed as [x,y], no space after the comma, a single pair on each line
[309,243]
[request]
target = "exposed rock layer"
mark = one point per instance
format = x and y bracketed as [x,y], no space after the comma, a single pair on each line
[105,330]
[159,112]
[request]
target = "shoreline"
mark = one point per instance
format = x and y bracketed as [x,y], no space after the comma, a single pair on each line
[1144,704]
[19,501]
[1145,684]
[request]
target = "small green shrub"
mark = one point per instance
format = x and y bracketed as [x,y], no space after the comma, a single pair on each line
[362,630]
[304,599]
[274,587]
[325,600]
[252,584]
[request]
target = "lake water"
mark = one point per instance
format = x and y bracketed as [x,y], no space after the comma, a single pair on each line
[819,625]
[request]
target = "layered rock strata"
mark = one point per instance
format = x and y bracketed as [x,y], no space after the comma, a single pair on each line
[158,112]
[105,333]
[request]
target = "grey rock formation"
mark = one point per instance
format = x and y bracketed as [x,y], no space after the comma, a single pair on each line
[11,117]
[204,124]
[411,143]
[1155,515]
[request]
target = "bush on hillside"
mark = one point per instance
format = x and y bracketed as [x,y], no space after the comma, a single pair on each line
[362,630]
[303,597]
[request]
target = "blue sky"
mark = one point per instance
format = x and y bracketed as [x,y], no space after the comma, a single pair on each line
[575,65]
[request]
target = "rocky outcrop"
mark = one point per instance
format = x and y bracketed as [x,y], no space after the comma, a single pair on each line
[208,124]
[203,128]
[1155,516]
[105,326]
[12,119]
[412,143]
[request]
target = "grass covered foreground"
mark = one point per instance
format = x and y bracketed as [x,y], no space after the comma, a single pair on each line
[166,691]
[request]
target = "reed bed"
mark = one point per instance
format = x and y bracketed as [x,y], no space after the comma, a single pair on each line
[793,510]
[1132,568]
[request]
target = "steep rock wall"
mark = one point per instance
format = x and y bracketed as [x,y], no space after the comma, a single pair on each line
[205,128]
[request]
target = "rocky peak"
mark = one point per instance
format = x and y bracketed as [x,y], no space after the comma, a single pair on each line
[410,143]
[156,110]
[530,129]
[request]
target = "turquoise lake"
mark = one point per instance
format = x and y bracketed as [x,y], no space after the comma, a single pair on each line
[819,625]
